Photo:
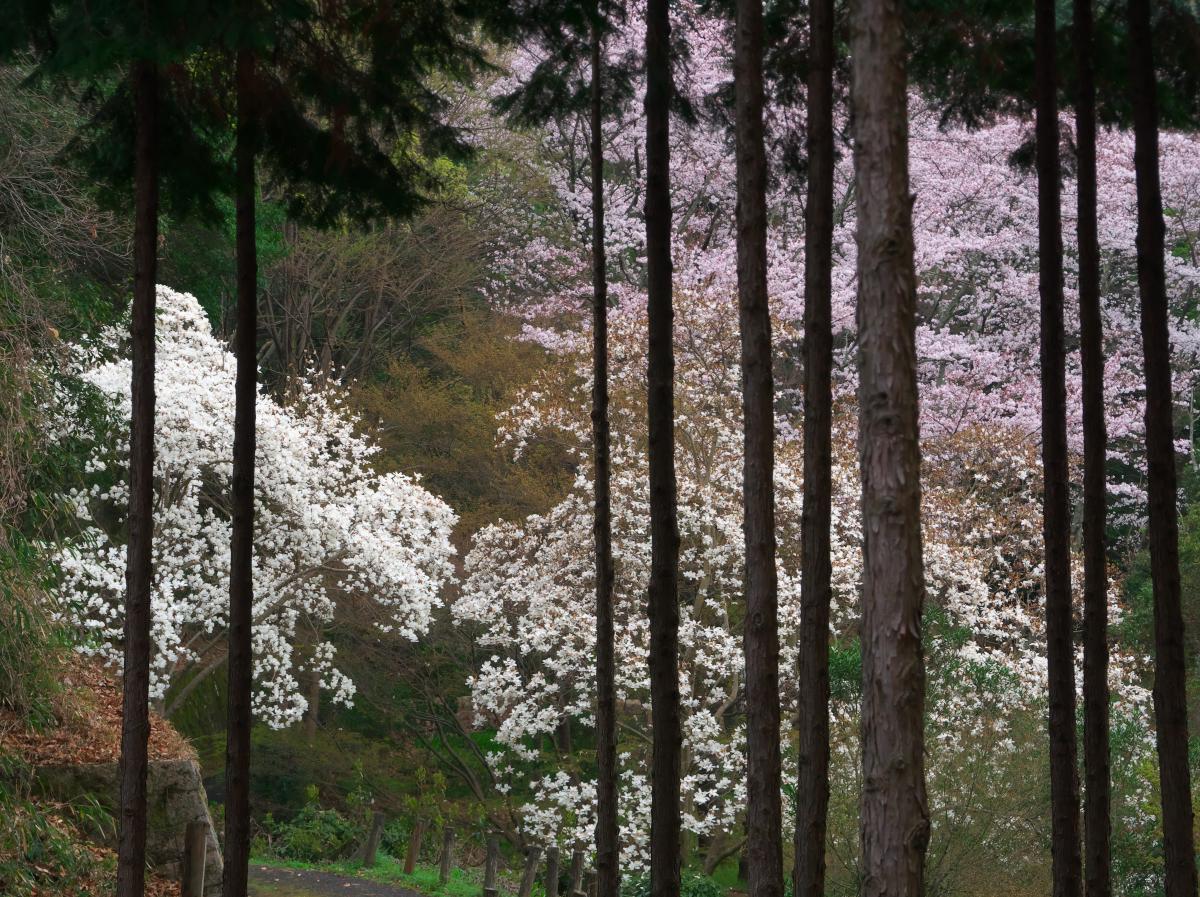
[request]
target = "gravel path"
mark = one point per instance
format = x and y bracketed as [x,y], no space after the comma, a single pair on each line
[269,881]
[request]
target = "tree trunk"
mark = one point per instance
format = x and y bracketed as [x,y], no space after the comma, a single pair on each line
[139,566]
[312,715]
[1096,819]
[241,585]
[414,846]
[663,595]
[1170,692]
[760,639]
[895,817]
[1056,512]
[607,834]
[812,762]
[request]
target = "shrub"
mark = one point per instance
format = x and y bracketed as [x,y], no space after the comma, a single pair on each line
[692,884]
[314,835]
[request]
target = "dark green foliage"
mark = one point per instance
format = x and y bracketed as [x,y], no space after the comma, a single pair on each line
[314,835]
[560,85]
[975,60]
[692,884]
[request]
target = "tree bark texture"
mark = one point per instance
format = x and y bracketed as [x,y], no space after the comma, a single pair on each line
[812,785]
[663,593]
[1056,511]
[1097,821]
[760,639]
[894,817]
[241,584]
[139,564]
[1170,692]
[607,834]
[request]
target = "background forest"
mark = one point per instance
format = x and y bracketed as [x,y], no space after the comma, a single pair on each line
[424,578]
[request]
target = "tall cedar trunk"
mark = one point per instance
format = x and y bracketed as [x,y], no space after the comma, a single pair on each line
[608,879]
[139,566]
[1170,696]
[663,596]
[241,585]
[1096,816]
[895,817]
[764,823]
[1056,512]
[812,763]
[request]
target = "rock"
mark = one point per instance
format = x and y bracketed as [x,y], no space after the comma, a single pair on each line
[175,797]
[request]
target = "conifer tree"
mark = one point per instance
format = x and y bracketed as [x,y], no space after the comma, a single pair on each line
[895,815]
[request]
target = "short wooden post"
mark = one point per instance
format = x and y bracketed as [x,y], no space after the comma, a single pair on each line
[552,872]
[532,855]
[576,872]
[491,867]
[195,853]
[414,846]
[589,883]
[372,845]
[447,855]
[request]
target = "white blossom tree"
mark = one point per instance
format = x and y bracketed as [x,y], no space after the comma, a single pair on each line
[330,532]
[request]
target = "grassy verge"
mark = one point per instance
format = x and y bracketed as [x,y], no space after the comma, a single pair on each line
[389,870]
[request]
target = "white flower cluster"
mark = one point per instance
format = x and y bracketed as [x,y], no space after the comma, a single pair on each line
[328,527]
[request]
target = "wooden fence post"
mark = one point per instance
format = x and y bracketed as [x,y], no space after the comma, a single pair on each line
[447,855]
[589,883]
[195,853]
[372,845]
[552,872]
[491,867]
[576,872]
[532,855]
[414,846]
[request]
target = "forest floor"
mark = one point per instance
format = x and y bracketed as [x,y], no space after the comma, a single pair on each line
[273,881]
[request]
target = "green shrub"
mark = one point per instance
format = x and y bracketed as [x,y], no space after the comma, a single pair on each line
[314,835]
[692,884]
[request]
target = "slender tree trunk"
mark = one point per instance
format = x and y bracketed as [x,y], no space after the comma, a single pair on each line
[139,565]
[895,816]
[764,822]
[1056,511]
[312,715]
[812,763]
[607,851]
[241,584]
[1096,819]
[1170,692]
[663,596]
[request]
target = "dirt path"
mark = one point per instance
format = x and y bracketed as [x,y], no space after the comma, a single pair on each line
[269,881]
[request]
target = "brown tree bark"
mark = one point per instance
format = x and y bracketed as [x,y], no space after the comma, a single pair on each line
[1096,811]
[663,593]
[812,761]
[760,639]
[608,878]
[1170,685]
[1056,512]
[241,584]
[139,564]
[895,818]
